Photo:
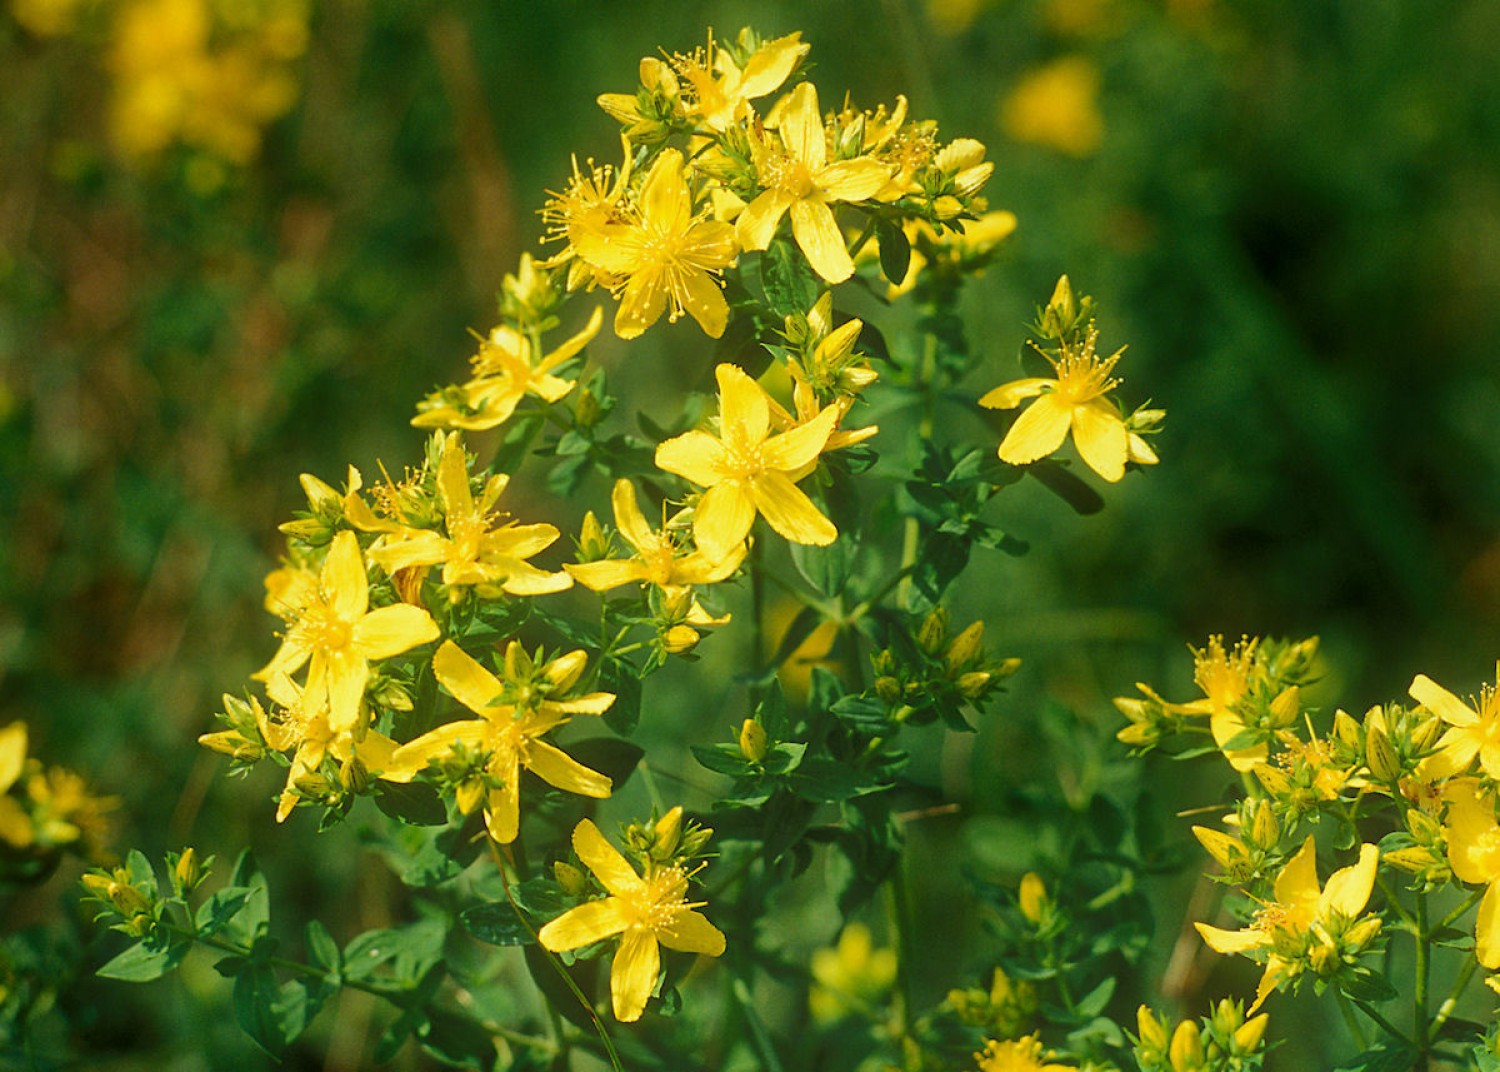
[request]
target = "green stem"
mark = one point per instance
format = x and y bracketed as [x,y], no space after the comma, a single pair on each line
[1445,1010]
[1419,999]
[758,1032]
[1468,903]
[1352,1021]
[900,910]
[1384,1024]
[912,531]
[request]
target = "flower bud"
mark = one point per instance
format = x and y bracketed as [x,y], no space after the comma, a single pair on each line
[965,647]
[188,872]
[1035,904]
[1425,735]
[1186,1052]
[233,744]
[571,879]
[752,740]
[468,794]
[933,631]
[888,689]
[128,900]
[1153,1032]
[1265,831]
[1346,730]
[973,685]
[668,833]
[1249,1035]
[1228,851]
[680,639]
[1286,706]
[1380,756]
[1362,933]
[593,544]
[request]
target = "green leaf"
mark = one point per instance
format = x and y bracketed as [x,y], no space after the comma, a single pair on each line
[140,963]
[271,1013]
[826,568]
[322,950]
[1094,1002]
[216,912]
[540,898]
[1067,486]
[497,923]
[1394,1058]
[895,251]
[621,678]
[417,803]
[827,781]
[1362,984]
[409,951]
[790,284]
[722,759]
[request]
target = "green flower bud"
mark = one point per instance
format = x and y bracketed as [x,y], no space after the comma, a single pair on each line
[752,740]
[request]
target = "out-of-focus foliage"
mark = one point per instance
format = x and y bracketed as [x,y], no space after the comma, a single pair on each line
[1292,210]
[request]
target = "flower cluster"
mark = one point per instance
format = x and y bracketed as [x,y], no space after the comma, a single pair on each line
[44,812]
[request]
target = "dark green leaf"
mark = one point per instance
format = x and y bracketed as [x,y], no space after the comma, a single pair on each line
[1395,1058]
[417,803]
[790,284]
[827,781]
[722,759]
[140,964]
[1066,486]
[895,251]
[456,1041]
[497,923]
[214,913]
[622,679]
[271,1013]
[322,950]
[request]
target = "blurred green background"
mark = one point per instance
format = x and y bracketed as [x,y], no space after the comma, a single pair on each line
[1290,209]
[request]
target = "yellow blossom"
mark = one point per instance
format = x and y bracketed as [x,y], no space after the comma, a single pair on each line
[1056,106]
[594,199]
[795,176]
[507,733]
[1473,837]
[1301,914]
[337,635]
[853,976]
[1225,678]
[647,911]
[1074,400]
[747,470]
[1474,731]
[722,90]
[664,256]
[1018,1055]
[505,372]
[473,549]
[658,558]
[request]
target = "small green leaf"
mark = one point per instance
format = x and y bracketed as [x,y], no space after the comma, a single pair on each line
[214,913]
[322,950]
[497,923]
[722,759]
[140,964]
[456,1041]
[895,251]
[271,1013]
[417,803]
[790,284]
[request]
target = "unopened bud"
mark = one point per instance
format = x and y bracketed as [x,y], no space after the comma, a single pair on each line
[888,689]
[1325,959]
[1276,780]
[1424,736]
[571,879]
[1228,851]
[1186,1051]
[232,744]
[1286,706]
[1414,858]
[188,872]
[1006,668]
[1265,830]
[972,685]
[668,833]
[1153,1032]
[752,740]
[128,900]
[1248,1037]
[1422,826]
[587,413]
[1035,904]
[1345,729]
[947,207]
[1362,933]
[933,631]
[592,544]
[965,647]
[680,639]
[468,794]
[1380,756]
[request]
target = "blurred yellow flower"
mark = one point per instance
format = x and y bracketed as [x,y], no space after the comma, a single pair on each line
[1018,1055]
[46,18]
[851,977]
[1057,106]
[647,911]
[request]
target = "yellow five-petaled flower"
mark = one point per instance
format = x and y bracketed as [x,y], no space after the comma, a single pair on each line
[646,912]
[747,470]
[1474,732]
[1473,837]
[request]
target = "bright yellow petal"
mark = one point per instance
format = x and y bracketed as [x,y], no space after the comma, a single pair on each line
[632,976]
[628,517]
[1010,395]
[502,809]
[852,180]
[584,925]
[1038,431]
[410,547]
[605,575]
[345,676]
[409,760]
[665,200]
[1487,928]
[697,456]
[771,65]
[691,932]
[1348,889]
[524,579]
[790,512]
[1230,942]
[642,302]
[1297,885]
[799,446]
[723,519]
[556,767]
[802,127]
[392,630]
[1100,436]
[12,754]
[604,860]
[821,241]
[1441,702]
[1472,832]
[704,302]
[744,414]
[344,579]
[469,682]
[756,225]
[453,479]
[518,541]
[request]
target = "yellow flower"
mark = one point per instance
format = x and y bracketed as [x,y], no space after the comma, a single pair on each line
[1473,837]
[1019,1055]
[665,254]
[591,201]
[722,91]
[337,634]
[658,559]
[1225,677]
[1074,400]
[504,374]
[15,824]
[795,176]
[1474,732]
[1057,106]
[507,733]
[474,551]
[1301,914]
[747,470]
[647,912]
[301,726]
[851,977]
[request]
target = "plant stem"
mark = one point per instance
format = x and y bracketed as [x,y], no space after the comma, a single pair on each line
[1419,999]
[1445,1010]
[1384,1024]
[758,1032]
[1468,903]
[1352,1021]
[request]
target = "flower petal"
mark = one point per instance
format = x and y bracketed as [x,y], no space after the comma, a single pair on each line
[1100,436]
[453,480]
[556,767]
[723,519]
[691,932]
[345,675]
[800,445]
[604,575]
[1348,889]
[744,413]
[756,225]
[697,456]
[1230,942]
[469,682]
[820,240]
[628,517]
[790,512]
[1010,395]
[802,127]
[697,292]
[392,630]
[1038,431]
[1296,886]
[665,200]
[641,303]
[409,760]
[1487,928]
[343,577]
[588,923]
[632,976]
[604,860]
[502,808]
[853,180]
[1441,702]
